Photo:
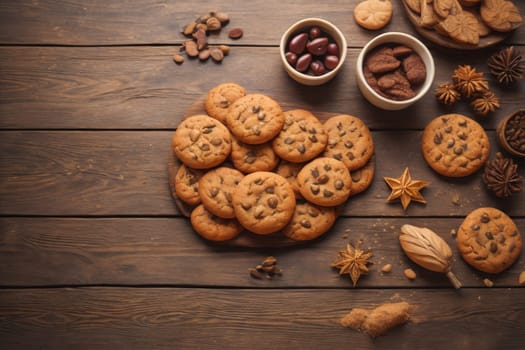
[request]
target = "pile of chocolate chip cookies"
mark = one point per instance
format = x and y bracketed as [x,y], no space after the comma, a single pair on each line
[465,21]
[248,165]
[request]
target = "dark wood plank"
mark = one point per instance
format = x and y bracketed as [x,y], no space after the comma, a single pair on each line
[106,318]
[50,251]
[141,88]
[125,173]
[145,22]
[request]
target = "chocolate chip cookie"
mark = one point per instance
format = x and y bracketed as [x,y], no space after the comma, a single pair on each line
[187,184]
[455,145]
[212,227]
[325,181]
[216,188]
[362,178]
[201,142]
[251,158]
[489,240]
[220,98]
[302,137]
[263,202]
[349,140]
[289,171]
[309,221]
[255,118]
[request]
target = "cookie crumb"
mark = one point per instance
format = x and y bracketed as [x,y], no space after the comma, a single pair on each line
[410,274]
[488,283]
[386,268]
[456,199]
[521,278]
[453,233]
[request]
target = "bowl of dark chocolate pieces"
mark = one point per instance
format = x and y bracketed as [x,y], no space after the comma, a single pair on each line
[394,70]
[313,51]
[511,133]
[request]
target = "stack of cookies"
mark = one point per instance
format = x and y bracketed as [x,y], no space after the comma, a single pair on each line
[465,21]
[248,165]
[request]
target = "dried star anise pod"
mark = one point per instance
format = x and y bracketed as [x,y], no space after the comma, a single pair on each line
[469,81]
[447,94]
[501,176]
[486,103]
[506,65]
[352,261]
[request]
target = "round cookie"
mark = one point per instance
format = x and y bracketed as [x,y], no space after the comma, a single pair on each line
[325,181]
[220,98]
[263,202]
[251,158]
[213,227]
[255,118]
[216,188]
[289,171]
[349,140]
[309,221]
[489,240]
[301,138]
[455,145]
[201,142]
[373,14]
[187,184]
[362,178]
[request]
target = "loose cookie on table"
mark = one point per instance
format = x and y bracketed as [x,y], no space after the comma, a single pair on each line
[201,142]
[264,202]
[251,158]
[187,184]
[213,227]
[220,98]
[455,145]
[302,137]
[255,118]
[349,140]
[325,181]
[216,189]
[309,221]
[489,240]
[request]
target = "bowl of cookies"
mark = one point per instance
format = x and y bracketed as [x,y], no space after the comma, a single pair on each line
[312,51]
[394,70]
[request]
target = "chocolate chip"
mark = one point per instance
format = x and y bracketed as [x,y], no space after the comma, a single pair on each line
[485,218]
[314,189]
[327,193]
[493,247]
[488,234]
[305,223]
[338,184]
[322,179]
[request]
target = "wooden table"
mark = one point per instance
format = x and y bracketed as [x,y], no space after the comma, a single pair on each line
[93,252]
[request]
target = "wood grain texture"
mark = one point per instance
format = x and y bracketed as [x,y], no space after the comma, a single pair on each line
[125,173]
[103,318]
[159,22]
[142,88]
[127,251]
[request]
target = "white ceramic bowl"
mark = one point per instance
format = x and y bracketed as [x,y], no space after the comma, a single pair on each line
[329,29]
[394,38]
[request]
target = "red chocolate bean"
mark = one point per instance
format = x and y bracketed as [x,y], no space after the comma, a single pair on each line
[298,43]
[331,61]
[303,62]
[317,67]
[315,32]
[333,49]
[291,58]
[317,47]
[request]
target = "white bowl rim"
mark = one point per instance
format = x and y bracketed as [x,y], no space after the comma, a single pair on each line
[294,27]
[430,70]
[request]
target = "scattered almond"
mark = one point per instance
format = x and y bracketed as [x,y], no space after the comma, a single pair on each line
[410,274]
[178,58]
[521,278]
[488,282]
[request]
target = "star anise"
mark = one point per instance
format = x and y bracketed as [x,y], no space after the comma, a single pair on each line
[447,94]
[501,176]
[352,261]
[486,103]
[469,81]
[406,189]
[506,65]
